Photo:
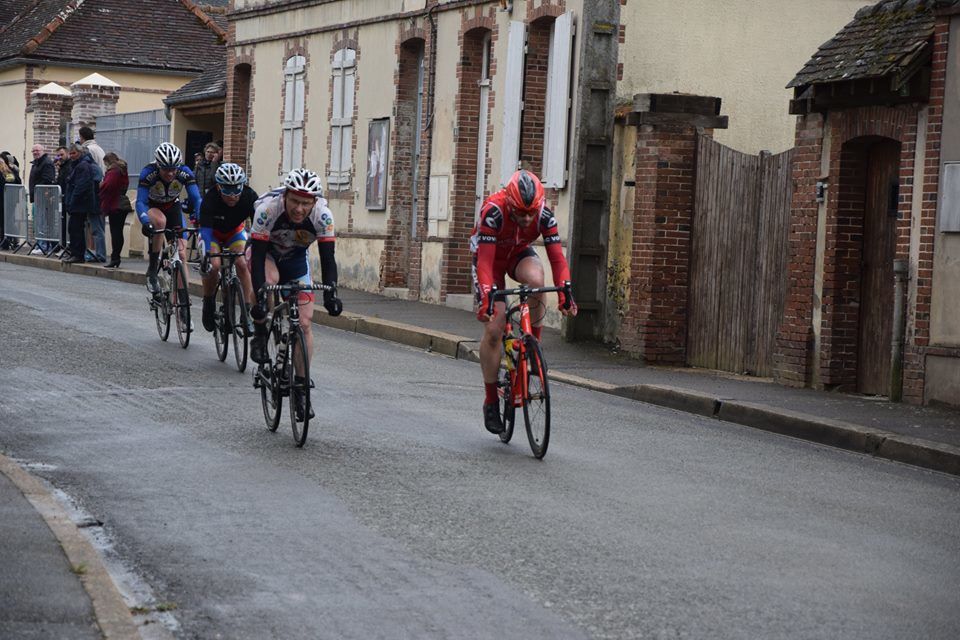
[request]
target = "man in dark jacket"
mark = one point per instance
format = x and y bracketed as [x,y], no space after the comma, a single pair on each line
[42,172]
[81,200]
[206,169]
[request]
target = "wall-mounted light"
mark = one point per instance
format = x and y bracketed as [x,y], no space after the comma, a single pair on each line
[821,190]
[506,5]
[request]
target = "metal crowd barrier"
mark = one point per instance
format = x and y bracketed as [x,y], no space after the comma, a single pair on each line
[46,216]
[16,218]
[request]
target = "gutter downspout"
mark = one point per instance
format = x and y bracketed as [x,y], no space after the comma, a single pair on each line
[901,270]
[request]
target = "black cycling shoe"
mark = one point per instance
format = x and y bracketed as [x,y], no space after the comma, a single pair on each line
[209,313]
[258,349]
[153,286]
[301,400]
[491,419]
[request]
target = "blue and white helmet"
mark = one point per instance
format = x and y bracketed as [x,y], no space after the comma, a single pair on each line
[230,174]
[168,156]
[304,182]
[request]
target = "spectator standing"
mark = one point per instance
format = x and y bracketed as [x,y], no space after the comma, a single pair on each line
[7,176]
[115,204]
[63,165]
[12,162]
[95,223]
[81,200]
[206,168]
[90,146]
[42,172]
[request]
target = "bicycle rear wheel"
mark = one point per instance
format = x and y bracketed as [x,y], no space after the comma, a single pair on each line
[536,400]
[269,374]
[298,369]
[182,307]
[507,411]
[221,319]
[239,320]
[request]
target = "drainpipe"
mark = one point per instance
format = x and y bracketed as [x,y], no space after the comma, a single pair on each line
[431,93]
[901,270]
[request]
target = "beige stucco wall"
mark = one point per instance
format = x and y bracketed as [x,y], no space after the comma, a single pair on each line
[331,13]
[180,124]
[743,51]
[358,262]
[138,91]
[431,256]
[265,106]
[945,303]
[13,122]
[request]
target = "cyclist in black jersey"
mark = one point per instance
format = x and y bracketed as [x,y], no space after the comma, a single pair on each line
[226,208]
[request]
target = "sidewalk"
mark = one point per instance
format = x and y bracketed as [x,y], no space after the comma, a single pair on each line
[53,583]
[923,436]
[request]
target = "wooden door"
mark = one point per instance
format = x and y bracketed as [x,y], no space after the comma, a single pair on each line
[876,280]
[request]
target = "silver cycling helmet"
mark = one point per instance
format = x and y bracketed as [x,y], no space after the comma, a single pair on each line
[305,182]
[168,156]
[230,174]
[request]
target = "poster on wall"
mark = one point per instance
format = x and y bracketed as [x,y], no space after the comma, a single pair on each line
[377,143]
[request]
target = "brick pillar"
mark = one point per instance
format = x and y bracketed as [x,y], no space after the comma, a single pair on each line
[793,355]
[93,96]
[48,109]
[655,324]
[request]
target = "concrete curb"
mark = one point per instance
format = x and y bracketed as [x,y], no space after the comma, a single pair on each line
[112,614]
[834,433]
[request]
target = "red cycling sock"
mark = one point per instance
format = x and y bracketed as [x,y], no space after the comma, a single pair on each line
[537,332]
[491,393]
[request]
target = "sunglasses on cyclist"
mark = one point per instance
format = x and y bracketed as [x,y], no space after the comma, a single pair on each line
[231,189]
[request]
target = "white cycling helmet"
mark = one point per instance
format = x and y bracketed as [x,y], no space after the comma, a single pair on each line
[230,174]
[168,156]
[304,182]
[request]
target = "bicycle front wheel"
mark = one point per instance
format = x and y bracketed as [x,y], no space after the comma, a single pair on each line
[162,316]
[269,373]
[239,321]
[161,305]
[507,410]
[221,319]
[536,398]
[298,369]
[182,306]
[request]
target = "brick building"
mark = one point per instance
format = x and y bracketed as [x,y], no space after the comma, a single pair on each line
[64,41]
[877,202]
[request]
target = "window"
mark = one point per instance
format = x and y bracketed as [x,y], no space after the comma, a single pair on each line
[341,121]
[294,73]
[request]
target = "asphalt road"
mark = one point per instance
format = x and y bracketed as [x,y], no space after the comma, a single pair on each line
[403,519]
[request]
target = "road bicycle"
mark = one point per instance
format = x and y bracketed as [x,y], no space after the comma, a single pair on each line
[232,318]
[287,370]
[522,377]
[172,278]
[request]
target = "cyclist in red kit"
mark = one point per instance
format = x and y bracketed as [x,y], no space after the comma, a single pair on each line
[510,220]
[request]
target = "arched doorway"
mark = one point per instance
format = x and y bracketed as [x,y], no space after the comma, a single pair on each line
[866,237]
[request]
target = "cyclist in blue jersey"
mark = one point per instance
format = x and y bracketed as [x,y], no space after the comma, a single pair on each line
[158,202]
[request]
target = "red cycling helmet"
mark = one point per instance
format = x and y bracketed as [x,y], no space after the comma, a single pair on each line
[525,192]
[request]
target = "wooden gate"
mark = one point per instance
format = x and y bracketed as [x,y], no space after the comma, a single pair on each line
[738,263]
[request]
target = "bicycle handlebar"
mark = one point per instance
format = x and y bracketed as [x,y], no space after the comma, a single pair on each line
[174,231]
[224,254]
[524,292]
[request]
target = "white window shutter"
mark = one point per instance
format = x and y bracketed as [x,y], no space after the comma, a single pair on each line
[287,147]
[346,155]
[289,97]
[298,106]
[558,100]
[512,101]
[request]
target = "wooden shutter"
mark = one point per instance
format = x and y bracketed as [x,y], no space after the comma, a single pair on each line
[558,103]
[341,121]
[512,101]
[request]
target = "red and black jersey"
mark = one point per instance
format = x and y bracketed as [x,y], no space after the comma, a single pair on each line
[498,241]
